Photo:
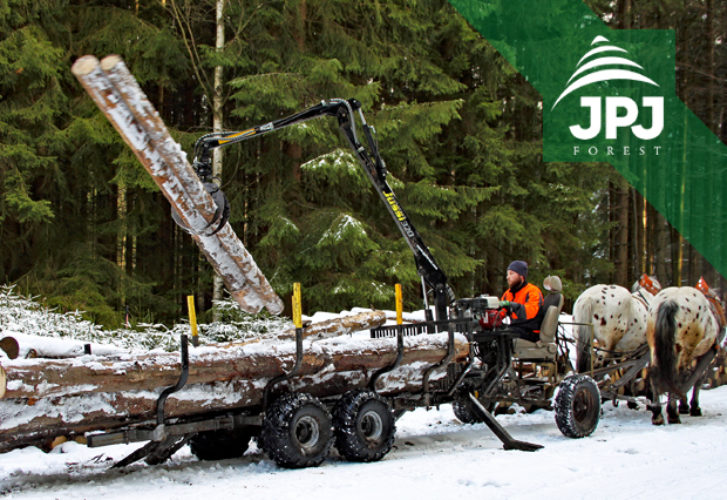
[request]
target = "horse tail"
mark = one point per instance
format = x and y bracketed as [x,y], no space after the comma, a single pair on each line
[583,313]
[663,369]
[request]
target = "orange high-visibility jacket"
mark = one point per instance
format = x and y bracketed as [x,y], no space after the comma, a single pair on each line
[529,296]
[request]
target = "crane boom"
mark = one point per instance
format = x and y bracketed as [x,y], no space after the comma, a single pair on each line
[372,164]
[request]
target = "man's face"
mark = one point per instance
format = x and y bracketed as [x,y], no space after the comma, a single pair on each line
[513,278]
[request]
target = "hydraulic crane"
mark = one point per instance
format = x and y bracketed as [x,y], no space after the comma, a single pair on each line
[373,165]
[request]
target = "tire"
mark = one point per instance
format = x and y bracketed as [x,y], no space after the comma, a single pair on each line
[364,426]
[577,406]
[297,431]
[465,411]
[220,445]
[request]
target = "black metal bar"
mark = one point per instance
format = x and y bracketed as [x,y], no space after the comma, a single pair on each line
[504,358]
[464,326]
[445,360]
[394,365]
[285,376]
[508,442]
[162,400]
[470,364]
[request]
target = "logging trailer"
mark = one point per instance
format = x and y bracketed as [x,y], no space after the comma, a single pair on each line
[484,362]
[297,429]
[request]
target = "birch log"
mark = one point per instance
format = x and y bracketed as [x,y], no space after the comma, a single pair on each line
[120,98]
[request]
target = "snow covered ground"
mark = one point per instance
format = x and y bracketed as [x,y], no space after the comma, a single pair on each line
[434,456]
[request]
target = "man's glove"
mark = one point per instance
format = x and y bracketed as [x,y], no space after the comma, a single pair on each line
[505,303]
[518,310]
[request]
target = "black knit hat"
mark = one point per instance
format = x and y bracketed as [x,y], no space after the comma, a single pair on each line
[520,267]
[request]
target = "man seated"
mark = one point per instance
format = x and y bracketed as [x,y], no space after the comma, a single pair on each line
[523,300]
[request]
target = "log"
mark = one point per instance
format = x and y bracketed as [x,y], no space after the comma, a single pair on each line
[120,98]
[40,378]
[350,364]
[336,327]
[10,347]
[22,424]
[34,346]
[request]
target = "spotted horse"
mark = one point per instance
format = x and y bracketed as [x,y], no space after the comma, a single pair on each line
[684,328]
[611,321]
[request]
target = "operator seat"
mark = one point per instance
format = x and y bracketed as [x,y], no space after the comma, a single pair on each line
[546,347]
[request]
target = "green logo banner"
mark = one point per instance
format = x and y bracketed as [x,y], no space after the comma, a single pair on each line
[609,95]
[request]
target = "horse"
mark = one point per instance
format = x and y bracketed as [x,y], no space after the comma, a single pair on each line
[612,316]
[683,326]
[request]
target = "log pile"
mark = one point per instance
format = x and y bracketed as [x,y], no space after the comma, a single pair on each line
[44,398]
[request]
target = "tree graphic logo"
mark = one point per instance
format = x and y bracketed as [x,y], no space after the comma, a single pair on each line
[609,65]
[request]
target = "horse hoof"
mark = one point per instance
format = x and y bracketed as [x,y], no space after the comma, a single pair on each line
[674,420]
[696,412]
[683,409]
[657,420]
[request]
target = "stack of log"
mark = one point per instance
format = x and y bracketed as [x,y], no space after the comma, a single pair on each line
[44,398]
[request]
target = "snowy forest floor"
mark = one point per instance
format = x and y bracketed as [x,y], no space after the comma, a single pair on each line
[434,456]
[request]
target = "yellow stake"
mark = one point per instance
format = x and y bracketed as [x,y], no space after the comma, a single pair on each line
[399,304]
[296,306]
[192,318]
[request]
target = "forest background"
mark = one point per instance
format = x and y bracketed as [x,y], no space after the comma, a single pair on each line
[83,225]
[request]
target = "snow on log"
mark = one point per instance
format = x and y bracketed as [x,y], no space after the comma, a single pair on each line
[34,346]
[339,326]
[339,365]
[120,98]
[40,378]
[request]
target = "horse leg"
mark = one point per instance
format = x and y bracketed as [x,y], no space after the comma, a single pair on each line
[672,415]
[683,405]
[656,416]
[695,410]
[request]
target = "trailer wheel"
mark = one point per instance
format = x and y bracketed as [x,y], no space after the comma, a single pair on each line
[220,445]
[577,406]
[297,431]
[466,412]
[364,425]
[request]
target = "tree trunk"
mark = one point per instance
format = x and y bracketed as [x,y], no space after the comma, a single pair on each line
[217,125]
[254,359]
[662,254]
[38,422]
[622,234]
[229,377]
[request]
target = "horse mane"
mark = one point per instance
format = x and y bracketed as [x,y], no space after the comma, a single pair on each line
[663,369]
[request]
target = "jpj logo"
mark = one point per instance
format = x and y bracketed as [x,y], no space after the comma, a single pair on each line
[612,117]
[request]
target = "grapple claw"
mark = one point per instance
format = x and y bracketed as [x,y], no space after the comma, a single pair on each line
[221,215]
